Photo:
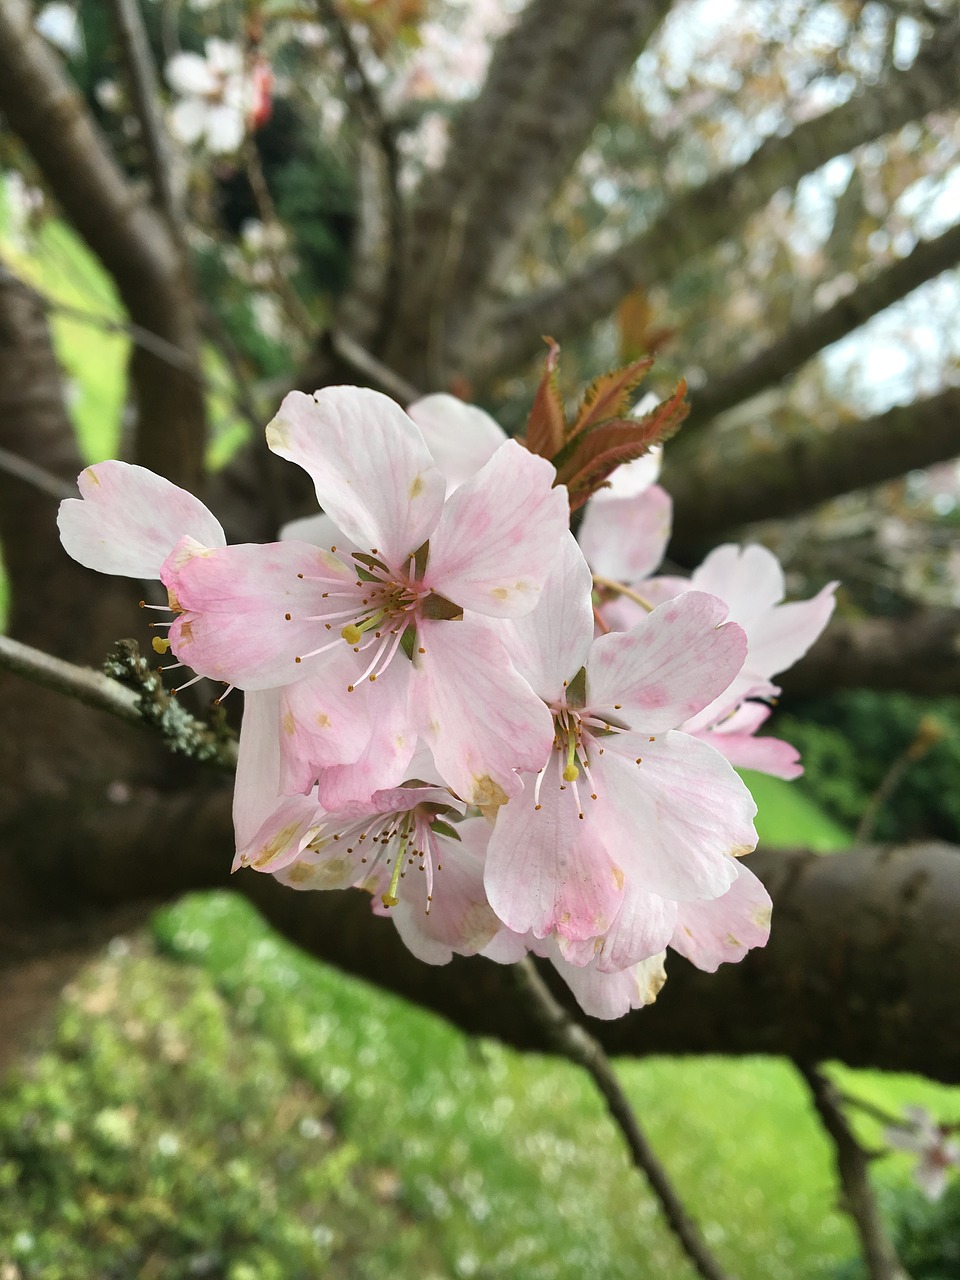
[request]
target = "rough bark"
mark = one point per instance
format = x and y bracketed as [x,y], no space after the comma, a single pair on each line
[130,238]
[796,474]
[509,152]
[706,215]
[918,653]
[794,348]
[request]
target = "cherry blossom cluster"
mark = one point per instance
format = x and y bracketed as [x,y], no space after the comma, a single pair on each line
[514,741]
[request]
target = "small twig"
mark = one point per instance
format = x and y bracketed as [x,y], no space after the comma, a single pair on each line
[928,734]
[299,316]
[39,477]
[383,131]
[608,584]
[137,334]
[146,97]
[852,1161]
[575,1043]
[880,1114]
[353,354]
[131,691]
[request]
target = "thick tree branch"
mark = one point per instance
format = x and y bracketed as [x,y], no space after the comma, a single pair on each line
[918,653]
[509,151]
[34,432]
[706,215]
[857,1196]
[131,239]
[854,970]
[787,353]
[796,474]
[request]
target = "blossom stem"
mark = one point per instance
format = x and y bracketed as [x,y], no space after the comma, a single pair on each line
[608,584]
[575,1043]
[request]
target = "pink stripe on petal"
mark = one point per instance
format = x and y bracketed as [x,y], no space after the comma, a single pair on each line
[669,666]
[235,601]
[499,535]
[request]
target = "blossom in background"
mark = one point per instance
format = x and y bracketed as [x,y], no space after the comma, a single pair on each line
[222,95]
[931,1143]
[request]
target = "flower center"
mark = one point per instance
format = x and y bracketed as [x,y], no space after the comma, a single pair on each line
[396,841]
[377,612]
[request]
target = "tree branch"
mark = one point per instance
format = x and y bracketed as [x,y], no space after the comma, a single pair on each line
[916,653]
[787,353]
[576,1044]
[388,247]
[146,96]
[800,472]
[852,1163]
[509,151]
[853,972]
[131,691]
[708,214]
[131,240]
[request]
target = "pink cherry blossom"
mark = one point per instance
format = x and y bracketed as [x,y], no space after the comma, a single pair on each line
[937,1152]
[622,805]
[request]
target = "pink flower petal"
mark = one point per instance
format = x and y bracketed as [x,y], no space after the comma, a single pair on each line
[625,538]
[373,473]
[551,644]
[281,838]
[611,995]
[256,790]
[321,724]
[667,667]
[499,534]
[723,930]
[480,718]
[547,870]
[746,751]
[781,637]
[461,437]
[748,579]
[675,818]
[644,925]
[247,610]
[129,520]
[459,920]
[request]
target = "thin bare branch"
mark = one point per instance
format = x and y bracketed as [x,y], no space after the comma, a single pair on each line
[132,691]
[146,96]
[797,473]
[574,1042]
[367,364]
[174,356]
[706,215]
[787,353]
[852,1162]
[40,478]
[381,130]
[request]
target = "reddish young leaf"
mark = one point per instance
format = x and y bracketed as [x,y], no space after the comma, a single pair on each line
[607,396]
[547,425]
[585,464]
